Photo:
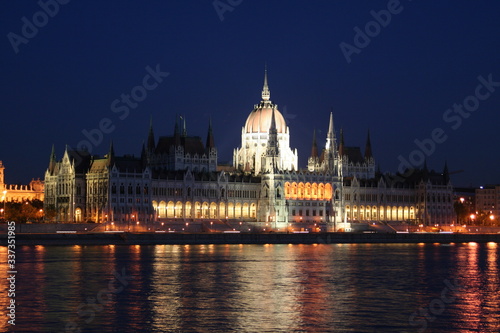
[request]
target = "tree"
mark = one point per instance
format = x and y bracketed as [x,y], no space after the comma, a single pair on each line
[460,211]
[23,212]
[50,213]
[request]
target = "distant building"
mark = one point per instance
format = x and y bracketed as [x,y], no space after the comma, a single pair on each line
[177,178]
[20,193]
[488,200]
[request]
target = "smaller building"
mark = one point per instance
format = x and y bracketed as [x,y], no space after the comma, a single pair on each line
[20,193]
[488,202]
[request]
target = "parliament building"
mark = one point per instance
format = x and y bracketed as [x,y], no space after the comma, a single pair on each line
[177,179]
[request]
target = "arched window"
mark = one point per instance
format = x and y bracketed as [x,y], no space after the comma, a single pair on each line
[328,192]
[300,191]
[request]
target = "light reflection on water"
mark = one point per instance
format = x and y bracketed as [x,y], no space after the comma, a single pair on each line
[257,288]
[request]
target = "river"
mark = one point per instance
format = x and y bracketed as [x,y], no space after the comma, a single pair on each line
[255,288]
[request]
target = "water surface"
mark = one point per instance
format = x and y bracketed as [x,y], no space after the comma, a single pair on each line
[256,288]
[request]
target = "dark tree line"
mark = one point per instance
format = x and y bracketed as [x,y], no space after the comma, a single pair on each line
[22,212]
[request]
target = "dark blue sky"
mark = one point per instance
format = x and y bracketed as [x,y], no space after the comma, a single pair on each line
[64,79]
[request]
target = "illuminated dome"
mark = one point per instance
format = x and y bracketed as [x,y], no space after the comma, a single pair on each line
[259,120]
[260,143]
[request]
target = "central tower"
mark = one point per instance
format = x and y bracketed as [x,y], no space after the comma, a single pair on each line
[263,121]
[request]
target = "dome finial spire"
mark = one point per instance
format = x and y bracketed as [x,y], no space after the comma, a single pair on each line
[266,94]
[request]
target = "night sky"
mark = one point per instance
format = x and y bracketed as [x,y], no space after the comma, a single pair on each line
[401,82]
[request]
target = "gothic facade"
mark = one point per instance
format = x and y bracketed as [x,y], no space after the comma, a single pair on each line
[177,179]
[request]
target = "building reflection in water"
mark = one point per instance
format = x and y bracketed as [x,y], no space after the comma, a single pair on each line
[284,288]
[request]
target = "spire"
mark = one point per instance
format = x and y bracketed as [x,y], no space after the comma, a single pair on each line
[266,93]
[368,147]
[184,131]
[177,134]
[144,156]
[52,160]
[314,148]
[273,136]
[330,137]
[446,173]
[341,145]
[272,128]
[210,136]
[151,135]
[272,150]
[111,155]
[143,151]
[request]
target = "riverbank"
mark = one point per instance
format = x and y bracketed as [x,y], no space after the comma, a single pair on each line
[126,238]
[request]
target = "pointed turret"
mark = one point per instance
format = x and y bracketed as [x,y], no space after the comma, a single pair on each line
[341,145]
[111,155]
[52,161]
[184,131]
[313,161]
[151,136]
[177,134]
[273,132]
[210,136]
[446,173]
[330,136]
[143,152]
[314,148]
[266,93]
[272,151]
[368,147]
